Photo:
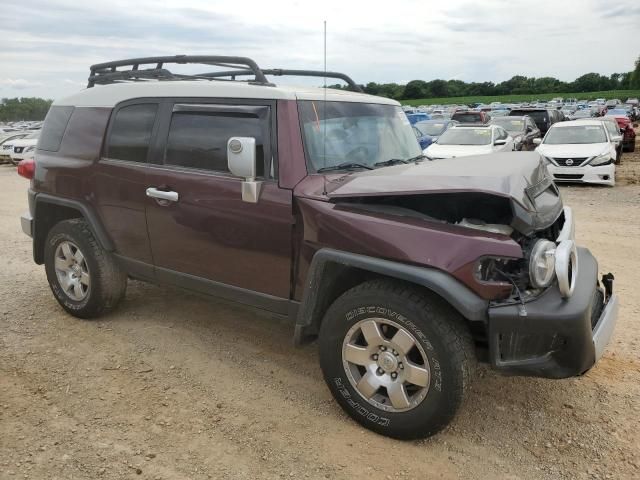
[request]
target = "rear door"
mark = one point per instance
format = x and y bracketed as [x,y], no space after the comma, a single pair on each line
[208,238]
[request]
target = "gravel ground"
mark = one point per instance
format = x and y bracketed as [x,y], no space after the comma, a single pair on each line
[174,385]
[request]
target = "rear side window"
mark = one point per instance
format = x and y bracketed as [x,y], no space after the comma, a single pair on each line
[131,133]
[54,127]
[199,139]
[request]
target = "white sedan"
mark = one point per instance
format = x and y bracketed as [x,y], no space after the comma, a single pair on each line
[580,151]
[24,147]
[465,140]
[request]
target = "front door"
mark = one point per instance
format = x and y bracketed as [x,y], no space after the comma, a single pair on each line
[203,235]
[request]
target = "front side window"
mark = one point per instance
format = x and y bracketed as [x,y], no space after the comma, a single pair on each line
[335,133]
[131,133]
[198,139]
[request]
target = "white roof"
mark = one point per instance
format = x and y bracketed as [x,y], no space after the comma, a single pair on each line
[110,95]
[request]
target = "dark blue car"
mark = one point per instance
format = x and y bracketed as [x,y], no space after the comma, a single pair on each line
[428,131]
[417,117]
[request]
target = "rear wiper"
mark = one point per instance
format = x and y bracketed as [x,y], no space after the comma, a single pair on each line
[344,166]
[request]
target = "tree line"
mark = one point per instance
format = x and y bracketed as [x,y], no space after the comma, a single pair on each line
[25,108]
[519,84]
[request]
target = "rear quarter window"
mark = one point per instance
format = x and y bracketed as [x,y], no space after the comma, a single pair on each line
[55,124]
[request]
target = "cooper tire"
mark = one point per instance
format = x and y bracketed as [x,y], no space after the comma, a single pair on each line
[86,280]
[438,332]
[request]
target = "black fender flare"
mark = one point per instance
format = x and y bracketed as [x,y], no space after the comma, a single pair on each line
[460,297]
[85,211]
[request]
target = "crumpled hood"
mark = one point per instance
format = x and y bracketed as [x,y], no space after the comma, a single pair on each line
[506,174]
[449,151]
[520,177]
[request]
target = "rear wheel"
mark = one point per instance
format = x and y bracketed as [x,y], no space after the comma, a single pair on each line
[396,360]
[83,277]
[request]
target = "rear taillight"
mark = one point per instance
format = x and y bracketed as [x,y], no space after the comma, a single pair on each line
[27,168]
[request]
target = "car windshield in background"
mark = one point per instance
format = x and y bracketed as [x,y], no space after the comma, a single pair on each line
[582,114]
[338,133]
[465,136]
[509,124]
[576,135]
[432,129]
[617,111]
[468,117]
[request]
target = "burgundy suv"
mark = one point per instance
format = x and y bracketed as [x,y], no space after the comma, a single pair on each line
[317,205]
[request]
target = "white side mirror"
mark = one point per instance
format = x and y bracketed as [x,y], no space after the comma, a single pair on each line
[241,160]
[537,141]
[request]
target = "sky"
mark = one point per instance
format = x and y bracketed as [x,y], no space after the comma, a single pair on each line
[47,46]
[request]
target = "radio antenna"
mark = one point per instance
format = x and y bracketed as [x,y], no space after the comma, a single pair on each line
[324,111]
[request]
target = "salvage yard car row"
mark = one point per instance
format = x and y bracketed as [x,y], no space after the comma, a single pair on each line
[18,141]
[585,149]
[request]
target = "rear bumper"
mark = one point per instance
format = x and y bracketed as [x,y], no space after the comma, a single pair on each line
[553,337]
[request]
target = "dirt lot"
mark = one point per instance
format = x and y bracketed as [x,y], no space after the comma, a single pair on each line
[174,385]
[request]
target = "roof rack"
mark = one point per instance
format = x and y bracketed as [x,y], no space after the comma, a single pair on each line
[108,72]
[281,72]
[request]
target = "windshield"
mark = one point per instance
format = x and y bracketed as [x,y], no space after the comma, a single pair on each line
[617,111]
[347,132]
[468,117]
[432,129]
[573,135]
[465,136]
[509,124]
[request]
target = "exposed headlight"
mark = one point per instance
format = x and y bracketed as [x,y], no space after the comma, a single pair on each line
[601,159]
[547,160]
[542,263]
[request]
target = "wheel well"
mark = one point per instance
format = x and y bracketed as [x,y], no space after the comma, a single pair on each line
[47,215]
[336,279]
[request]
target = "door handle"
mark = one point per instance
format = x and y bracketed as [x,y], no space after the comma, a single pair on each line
[162,195]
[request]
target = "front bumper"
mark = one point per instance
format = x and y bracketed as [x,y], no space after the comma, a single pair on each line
[603,174]
[554,337]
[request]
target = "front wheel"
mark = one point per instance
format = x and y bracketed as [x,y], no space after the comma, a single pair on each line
[397,360]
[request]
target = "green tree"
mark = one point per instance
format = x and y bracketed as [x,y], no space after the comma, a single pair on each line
[635,75]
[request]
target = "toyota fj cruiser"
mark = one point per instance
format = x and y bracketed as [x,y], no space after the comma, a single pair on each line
[318,205]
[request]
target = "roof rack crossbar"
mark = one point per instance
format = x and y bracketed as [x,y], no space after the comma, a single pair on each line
[102,73]
[279,72]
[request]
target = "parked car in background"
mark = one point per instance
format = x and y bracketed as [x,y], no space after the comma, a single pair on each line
[23,147]
[6,146]
[470,116]
[523,130]
[626,128]
[417,117]
[582,113]
[428,131]
[544,117]
[580,151]
[612,126]
[464,140]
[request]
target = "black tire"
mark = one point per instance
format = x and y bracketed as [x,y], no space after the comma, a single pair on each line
[108,282]
[439,330]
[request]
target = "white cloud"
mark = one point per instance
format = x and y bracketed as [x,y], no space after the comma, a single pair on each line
[17,83]
[48,45]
